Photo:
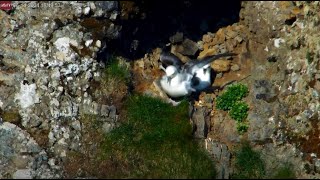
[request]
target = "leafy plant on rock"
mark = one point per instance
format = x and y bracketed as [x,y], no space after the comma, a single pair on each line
[231,101]
[233,94]
[239,111]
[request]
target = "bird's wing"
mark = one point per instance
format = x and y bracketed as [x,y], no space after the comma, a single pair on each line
[193,65]
[168,58]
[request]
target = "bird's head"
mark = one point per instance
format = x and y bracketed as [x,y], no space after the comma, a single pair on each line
[171,71]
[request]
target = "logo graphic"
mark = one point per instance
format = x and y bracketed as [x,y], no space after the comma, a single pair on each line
[5,5]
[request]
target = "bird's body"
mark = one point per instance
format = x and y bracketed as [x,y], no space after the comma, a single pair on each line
[202,78]
[198,70]
[176,84]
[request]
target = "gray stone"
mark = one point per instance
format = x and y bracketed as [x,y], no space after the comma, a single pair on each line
[263,89]
[221,156]
[235,67]
[113,31]
[105,110]
[260,128]
[200,117]
[177,38]
[107,127]
[107,5]
[317,165]
[112,111]
[95,108]
[188,48]
[22,174]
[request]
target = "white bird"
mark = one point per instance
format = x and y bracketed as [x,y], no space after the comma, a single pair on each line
[199,70]
[176,84]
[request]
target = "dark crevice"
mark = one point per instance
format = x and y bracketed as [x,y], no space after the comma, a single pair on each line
[155,21]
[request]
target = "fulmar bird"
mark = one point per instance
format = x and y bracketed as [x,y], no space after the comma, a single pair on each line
[198,72]
[176,84]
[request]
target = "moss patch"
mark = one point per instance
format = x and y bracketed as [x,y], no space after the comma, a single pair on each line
[248,163]
[284,172]
[11,116]
[155,142]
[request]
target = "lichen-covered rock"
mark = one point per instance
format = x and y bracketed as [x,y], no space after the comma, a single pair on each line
[222,156]
[19,153]
[48,59]
[201,123]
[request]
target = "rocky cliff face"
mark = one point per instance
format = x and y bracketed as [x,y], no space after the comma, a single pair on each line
[52,79]
[48,61]
[278,60]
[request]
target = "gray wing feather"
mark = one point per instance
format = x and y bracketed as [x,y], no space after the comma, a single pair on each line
[168,58]
[193,65]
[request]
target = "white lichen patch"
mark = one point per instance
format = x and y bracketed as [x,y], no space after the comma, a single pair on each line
[27,95]
[278,41]
[63,47]
[62,44]
[88,42]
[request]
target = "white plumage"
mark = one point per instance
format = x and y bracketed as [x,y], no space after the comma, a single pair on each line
[183,79]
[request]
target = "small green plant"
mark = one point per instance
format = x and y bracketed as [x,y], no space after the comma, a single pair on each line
[239,111]
[117,70]
[11,116]
[231,101]
[242,127]
[248,163]
[155,142]
[284,172]
[309,57]
[233,94]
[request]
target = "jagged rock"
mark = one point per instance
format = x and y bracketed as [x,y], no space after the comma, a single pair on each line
[15,142]
[47,61]
[235,67]
[105,110]
[188,48]
[175,50]
[222,156]
[112,112]
[261,129]
[107,127]
[200,118]
[263,89]
[177,38]
[22,174]
[207,52]
[317,165]
[221,65]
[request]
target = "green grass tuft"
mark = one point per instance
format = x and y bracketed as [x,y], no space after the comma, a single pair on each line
[156,142]
[248,163]
[309,57]
[284,172]
[117,70]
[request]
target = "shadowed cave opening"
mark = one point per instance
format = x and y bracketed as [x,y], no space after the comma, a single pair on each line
[152,23]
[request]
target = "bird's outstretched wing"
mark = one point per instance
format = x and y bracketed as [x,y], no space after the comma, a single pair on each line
[193,65]
[168,58]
